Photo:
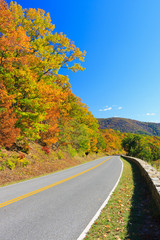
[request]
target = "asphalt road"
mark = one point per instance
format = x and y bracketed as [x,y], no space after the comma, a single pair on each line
[62,210]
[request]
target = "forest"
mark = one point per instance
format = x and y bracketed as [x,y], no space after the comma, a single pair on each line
[130,126]
[36,101]
[37,105]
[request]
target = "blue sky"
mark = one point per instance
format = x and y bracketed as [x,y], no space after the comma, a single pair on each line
[122,41]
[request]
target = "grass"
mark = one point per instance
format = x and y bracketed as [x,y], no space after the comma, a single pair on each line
[130,212]
[39,164]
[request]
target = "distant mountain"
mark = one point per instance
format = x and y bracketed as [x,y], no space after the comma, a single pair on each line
[129,125]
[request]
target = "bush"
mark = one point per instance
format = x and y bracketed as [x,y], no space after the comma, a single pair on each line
[10,165]
[22,145]
[46,149]
[2,167]
[72,151]
[3,155]
[17,161]
[21,162]
[60,154]
[54,155]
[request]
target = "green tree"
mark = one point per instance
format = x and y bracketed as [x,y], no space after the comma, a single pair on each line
[137,146]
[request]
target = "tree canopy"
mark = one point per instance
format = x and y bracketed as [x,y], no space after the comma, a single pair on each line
[42,106]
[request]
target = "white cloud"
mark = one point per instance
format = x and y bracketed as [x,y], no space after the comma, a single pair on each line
[150,114]
[105,109]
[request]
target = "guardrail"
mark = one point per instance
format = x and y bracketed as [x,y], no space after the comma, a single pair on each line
[152,177]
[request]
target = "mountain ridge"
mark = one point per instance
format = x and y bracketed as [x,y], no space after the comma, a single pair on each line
[130,125]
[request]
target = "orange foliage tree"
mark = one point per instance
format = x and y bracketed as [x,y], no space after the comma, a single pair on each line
[8,132]
[113,140]
[40,101]
[31,57]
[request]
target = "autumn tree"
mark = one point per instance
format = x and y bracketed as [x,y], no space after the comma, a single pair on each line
[31,57]
[142,146]
[78,127]
[42,104]
[112,140]
[8,132]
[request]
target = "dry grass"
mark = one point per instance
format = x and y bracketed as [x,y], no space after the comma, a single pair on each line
[39,163]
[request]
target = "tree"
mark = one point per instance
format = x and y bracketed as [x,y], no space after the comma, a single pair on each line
[137,146]
[31,57]
[8,132]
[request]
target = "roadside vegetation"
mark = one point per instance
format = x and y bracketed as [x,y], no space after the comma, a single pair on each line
[38,108]
[18,166]
[44,127]
[130,212]
[143,147]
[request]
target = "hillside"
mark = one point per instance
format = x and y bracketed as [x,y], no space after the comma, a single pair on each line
[128,125]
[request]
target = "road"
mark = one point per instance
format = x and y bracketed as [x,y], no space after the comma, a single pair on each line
[64,205]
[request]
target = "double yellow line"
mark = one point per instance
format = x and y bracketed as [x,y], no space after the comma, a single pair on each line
[49,186]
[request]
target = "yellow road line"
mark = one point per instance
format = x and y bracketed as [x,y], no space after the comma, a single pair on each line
[49,186]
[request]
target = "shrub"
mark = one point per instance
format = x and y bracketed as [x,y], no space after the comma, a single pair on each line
[60,154]
[2,167]
[3,155]
[54,155]
[46,149]
[10,165]
[25,162]
[21,162]
[22,145]
[72,151]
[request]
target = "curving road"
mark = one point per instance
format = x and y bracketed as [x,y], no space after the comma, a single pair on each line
[57,206]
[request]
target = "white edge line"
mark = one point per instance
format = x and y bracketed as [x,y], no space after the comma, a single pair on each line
[83,234]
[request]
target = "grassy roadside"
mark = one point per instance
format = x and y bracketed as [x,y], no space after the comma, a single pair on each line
[39,163]
[129,213]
